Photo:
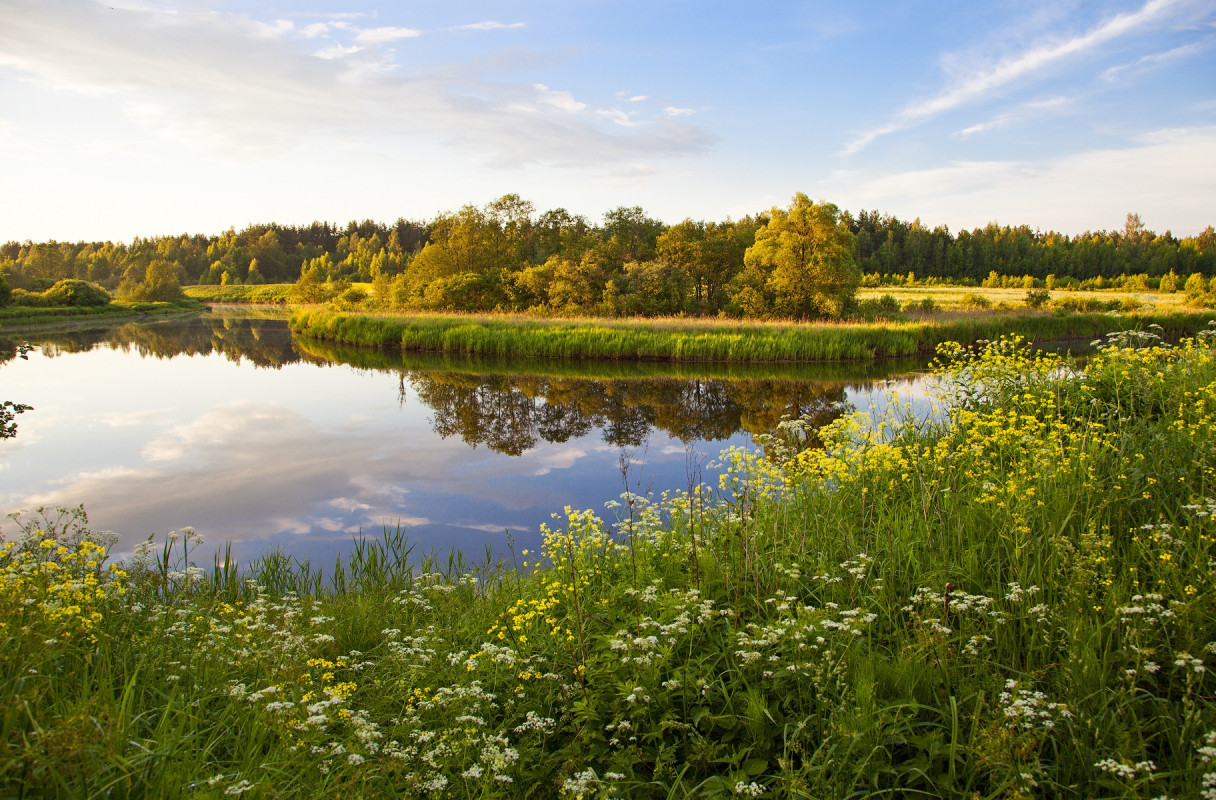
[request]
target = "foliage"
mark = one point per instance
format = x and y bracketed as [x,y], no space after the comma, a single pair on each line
[974,300]
[72,292]
[1037,298]
[1012,599]
[805,255]
[505,256]
[159,282]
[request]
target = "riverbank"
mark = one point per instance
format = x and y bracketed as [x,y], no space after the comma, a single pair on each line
[675,339]
[27,318]
[1015,601]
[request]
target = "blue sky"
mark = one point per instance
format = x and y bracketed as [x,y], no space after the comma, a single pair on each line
[125,118]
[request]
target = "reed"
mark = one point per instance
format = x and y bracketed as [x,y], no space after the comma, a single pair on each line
[701,340]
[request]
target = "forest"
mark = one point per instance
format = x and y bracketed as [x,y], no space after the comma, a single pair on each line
[506,256]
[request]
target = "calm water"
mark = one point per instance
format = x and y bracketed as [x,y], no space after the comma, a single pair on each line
[227,424]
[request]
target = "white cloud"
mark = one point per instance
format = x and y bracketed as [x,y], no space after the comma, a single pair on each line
[280,27]
[489,25]
[1019,114]
[1156,59]
[560,100]
[623,118]
[217,84]
[674,111]
[1169,171]
[637,98]
[981,83]
[349,504]
[386,35]
[338,51]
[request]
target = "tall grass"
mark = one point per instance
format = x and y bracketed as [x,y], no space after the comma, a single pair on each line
[270,293]
[700,340]
[1013,600]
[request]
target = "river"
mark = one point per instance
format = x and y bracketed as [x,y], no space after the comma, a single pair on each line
[225,423]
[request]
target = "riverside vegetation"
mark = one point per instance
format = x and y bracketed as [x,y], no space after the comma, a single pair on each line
[1012,599]
[677,339]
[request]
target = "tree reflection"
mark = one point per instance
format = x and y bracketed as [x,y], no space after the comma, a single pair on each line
[512,414]
[512,406]
[265,343]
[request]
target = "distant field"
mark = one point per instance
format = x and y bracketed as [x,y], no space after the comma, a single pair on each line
[951,296]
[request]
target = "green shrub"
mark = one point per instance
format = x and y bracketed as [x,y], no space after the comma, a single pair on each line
[975,300]
[1037,298]
[70,292]
[923,306]
[883,307]
[20,297]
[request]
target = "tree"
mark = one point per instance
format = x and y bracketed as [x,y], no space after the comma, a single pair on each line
[809,253]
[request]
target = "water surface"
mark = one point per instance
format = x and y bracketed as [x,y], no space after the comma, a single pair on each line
[227,424]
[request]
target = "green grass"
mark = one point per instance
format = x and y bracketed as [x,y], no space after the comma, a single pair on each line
[326,352]
[702,340]
[22,317]
[269,293]
[1013,601]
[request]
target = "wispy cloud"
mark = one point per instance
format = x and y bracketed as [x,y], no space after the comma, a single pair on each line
[489,25]
[227,84]
[385,35]
[1085,190]
[981,83]
[1157,59]
[1019,114]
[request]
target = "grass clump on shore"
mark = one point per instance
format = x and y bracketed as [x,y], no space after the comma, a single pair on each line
[675,339]
[272,293]
[1012,600]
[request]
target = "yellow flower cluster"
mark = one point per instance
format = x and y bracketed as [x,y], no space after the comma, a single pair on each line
[56,591]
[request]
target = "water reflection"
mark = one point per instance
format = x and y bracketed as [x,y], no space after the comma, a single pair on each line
[229,425]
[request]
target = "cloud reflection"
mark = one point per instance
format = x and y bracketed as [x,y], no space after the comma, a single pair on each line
[248,471]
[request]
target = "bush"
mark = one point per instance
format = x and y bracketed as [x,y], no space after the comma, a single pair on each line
[923,306]
[1037,298]
[6,294]
[1094,304]
[70,292]
[20,297]
[885,306]
[351,298]
[975,300]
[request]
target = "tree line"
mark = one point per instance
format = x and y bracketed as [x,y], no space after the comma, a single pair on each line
[804,260]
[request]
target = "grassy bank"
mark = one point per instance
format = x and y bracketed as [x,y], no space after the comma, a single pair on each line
[326,352]
[1013,602]
[701,340]
[24,317]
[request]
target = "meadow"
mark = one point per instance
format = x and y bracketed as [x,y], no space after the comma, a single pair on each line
[1010,600]
[949,298]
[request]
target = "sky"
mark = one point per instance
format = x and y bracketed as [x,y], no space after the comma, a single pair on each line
[121,119]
